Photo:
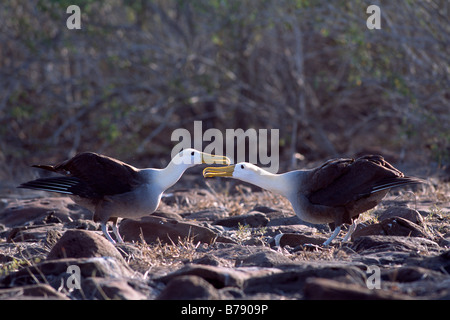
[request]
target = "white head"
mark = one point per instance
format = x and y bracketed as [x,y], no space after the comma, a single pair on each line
[191,157]
[279,183]
[243,171]
[250,173]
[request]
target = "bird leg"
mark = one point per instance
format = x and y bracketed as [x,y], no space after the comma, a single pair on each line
[334,235]
[105,232]
[116,231]
[350,231]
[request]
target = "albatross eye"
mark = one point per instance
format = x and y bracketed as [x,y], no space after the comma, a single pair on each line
[192,153]
[242,166]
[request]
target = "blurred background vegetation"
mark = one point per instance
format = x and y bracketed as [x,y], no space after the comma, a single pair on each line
[139,69]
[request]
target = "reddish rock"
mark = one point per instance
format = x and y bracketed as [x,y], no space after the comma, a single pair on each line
[83,244]
[166,230]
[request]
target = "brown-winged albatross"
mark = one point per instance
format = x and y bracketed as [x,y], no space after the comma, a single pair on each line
[111,188]
[334,193]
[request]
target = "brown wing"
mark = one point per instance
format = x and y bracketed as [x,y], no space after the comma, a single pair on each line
[101,174]
[346,180]
[321,177]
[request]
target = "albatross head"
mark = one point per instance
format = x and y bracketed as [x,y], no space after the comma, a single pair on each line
[192,157]
[243,171]
[279,183]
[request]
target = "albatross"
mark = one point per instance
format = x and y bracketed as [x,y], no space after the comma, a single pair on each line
[336,192]
[111,188]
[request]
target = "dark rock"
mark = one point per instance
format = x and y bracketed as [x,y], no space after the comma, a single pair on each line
[395,226]
[34,291]
[392,243]
[294,239]
[31,211]
[252,219]
[219,277]
[83,244]
[293,281]
[211,214]
[439,263]
[208,260]
[83,224]
[189,287]
[280,219]
[266,259]
[264,209]
[253,242]
[403,212]
[407,274]
[55,272]
[382,256]
[297,228]
[328,289]
[370,230]
[166,230]
[168,215]
[32,233]
[109,288]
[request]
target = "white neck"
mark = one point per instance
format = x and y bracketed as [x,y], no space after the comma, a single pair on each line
[282,184]
[168,176]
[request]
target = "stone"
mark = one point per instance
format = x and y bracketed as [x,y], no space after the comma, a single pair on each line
[33,233]
[168,215]
[208,260]
[32,211]
[265,259]
[210,214]
[110,288]
[403,212]
[292,281]
[407,274]
[83,244]
[169,231]
[189,287]
[295,239]
[253,219]
[55,272]
[392,243]
[33,291]
[220,277]
[264,209]
[329,289]
[439,262]
[394,226]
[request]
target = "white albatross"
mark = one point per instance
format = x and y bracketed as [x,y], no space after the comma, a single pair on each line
[335,193]
[111,188]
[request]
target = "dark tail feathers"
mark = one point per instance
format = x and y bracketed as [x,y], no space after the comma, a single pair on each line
[66,185]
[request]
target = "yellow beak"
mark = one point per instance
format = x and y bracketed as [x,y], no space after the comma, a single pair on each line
[211,172]
[214,159]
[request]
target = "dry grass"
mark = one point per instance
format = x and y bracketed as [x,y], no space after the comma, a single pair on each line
[15,256]
[157,258]
[320,254]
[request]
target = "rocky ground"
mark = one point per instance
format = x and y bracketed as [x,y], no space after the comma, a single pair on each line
[222,240]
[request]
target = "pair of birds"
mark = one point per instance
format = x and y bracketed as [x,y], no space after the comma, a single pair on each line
[334,193]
